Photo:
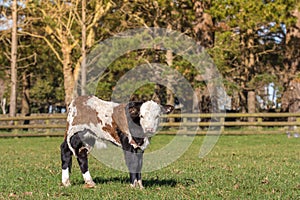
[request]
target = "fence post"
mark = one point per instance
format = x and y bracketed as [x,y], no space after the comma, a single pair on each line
[259,120]
[15,122]
[184,120]
[297,127]
[47,123]
[222,120]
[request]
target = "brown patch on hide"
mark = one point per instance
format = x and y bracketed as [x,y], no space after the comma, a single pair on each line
[66,132]
[98,119]
[112,130]
[119,117]
[85,114]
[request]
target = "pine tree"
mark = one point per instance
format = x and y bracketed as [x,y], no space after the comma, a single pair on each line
[248,33]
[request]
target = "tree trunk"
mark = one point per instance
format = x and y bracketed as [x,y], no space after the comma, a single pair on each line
[25,110]
[83,49]
[293,99]
[250,65]
[197,100]
[248,70]
[170,95]
[69,83]
[291,61]
[203,28]
[204,35]
[2,98]
[68,80]
[3,105]
[251,101]
[156,95]
[14,46]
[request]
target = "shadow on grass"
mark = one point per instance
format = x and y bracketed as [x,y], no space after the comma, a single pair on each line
[146,182]
[160,182]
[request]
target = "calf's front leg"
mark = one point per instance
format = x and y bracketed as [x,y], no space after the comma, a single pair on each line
[134,162]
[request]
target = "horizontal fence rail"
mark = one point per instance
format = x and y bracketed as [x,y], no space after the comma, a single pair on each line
[231,123]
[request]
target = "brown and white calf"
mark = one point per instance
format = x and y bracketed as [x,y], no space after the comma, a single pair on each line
[92,121]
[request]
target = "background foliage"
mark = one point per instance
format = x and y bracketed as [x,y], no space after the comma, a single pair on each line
[253,44]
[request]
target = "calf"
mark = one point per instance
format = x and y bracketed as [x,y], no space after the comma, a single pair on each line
[92,121]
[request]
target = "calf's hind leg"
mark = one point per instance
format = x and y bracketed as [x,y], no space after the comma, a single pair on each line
[82,158]
[66,163]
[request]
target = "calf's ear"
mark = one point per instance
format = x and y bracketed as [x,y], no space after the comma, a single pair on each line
[134,108]
[166,109]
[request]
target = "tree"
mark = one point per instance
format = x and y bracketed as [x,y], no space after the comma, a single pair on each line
[60,23]
[248,33]
[2,98]
[13,18]
[3,68]
[14,46]
[204,33]
[291,62]
[83,48]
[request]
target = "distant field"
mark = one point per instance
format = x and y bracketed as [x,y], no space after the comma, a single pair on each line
[239,167]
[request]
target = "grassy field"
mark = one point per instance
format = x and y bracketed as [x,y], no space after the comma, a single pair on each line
[239,167]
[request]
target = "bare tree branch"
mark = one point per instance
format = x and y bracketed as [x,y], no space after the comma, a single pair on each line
[48,43]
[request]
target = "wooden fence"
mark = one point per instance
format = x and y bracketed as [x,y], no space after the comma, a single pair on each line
[231,123]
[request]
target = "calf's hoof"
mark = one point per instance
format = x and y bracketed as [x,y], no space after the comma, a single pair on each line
[89,184]
[66,183]
[137,184]
[140,184]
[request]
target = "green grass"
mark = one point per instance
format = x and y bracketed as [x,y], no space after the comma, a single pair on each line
[239,167]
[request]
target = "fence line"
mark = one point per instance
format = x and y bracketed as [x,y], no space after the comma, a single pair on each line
[54,124]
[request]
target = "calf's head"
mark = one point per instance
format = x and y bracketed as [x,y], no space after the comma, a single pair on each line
[147,115]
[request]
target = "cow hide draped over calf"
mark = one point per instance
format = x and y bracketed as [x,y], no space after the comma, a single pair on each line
[100,120]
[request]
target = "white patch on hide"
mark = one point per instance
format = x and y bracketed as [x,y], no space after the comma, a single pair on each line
[104,109]
[149,114]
